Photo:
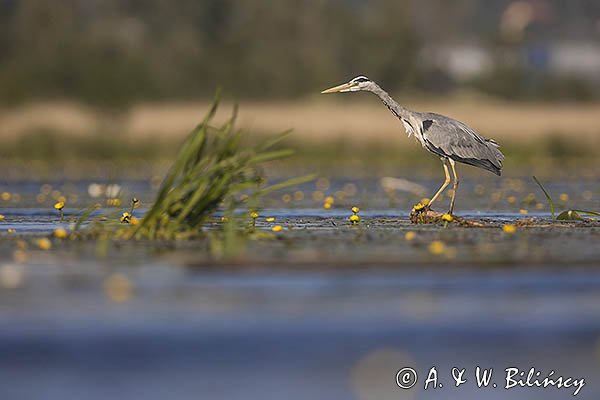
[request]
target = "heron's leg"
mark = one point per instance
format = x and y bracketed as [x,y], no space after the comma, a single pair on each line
[444,185]
[454,185]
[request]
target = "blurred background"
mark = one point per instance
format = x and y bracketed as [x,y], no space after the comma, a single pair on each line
[94,79]
[114,53]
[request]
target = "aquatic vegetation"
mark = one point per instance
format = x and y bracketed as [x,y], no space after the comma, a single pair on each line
[418,207]
[60,233]
[277,228]
[43,244]
[437,247]
[59,206]
[212,170]
[328,202]
[125,218]
[135,203]
[354,218]
[509,229]
[254,215]
[567,215]
[113,202]
[447,219]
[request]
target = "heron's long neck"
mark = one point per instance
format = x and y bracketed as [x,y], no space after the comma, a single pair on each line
[391,104]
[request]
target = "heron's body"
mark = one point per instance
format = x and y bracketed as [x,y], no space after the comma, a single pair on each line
[451,140]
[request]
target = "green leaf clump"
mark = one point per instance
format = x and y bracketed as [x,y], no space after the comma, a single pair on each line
[211,168]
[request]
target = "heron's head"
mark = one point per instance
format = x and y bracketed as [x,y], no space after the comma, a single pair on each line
[356,84]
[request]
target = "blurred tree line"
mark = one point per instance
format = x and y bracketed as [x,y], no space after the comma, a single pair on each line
[116,52]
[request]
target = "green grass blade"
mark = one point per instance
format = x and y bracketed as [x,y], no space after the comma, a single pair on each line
[550,203]
[287,183]
[270,142]
[270,156]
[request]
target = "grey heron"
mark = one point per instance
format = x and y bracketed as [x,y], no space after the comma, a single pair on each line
[449,139]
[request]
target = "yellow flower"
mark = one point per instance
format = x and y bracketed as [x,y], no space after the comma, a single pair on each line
[326,205]
[11,230]
[277,228]
[511,199]
[61,233]
[447,218]
[113,202]
[564,197]
[5,196]
[425,201]
[135,202]
[509,229]
[126,218]
[44,243]
[59,205]
[270,219]
[286,198]
[134,221]
[224,219]
[355,210]
[410,235]
[523,211]
[329,199]
[2,217]
[355,219]
[418,207]
[254,215]
[437,247]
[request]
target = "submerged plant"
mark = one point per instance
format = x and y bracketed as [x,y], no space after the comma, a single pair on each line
[210,171]
[567,215]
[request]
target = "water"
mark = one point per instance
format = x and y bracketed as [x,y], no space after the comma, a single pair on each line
[298,335]
[326,311]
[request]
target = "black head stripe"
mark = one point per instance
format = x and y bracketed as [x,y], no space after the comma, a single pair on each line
[359,79]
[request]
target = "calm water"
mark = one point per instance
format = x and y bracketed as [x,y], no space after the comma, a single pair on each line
[295,335]
[194,330]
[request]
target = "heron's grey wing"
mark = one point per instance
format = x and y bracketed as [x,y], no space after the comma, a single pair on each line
[450,138]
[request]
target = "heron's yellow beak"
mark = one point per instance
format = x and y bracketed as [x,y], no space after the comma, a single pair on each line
[340,88]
